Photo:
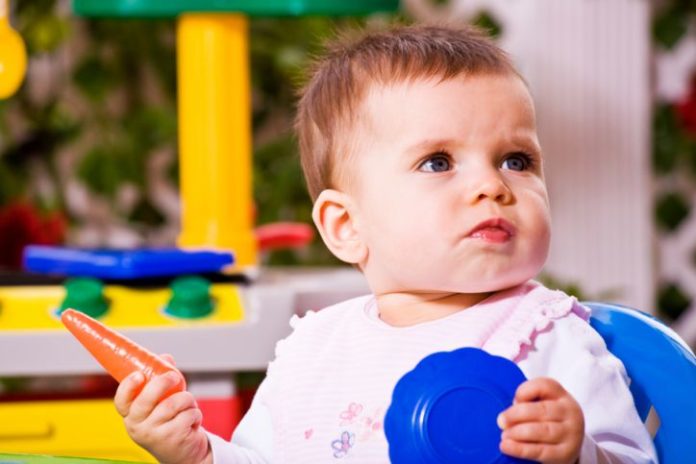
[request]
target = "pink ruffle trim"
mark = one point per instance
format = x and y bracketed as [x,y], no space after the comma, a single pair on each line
[534,314]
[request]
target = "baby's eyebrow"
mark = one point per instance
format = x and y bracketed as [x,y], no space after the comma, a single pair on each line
[523,142]
[429,145]
[520,136]
[527,143]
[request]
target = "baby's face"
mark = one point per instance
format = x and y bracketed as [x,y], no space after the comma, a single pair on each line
[449,187]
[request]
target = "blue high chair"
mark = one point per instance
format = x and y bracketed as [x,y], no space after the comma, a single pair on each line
[662,369]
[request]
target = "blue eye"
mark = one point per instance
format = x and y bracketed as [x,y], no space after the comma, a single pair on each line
[517,162]
[436,163]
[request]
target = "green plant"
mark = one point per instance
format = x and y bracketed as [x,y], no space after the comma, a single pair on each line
[674,146]
[113,104]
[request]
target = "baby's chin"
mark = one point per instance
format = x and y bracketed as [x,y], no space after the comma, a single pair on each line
[481,284]
[465,280]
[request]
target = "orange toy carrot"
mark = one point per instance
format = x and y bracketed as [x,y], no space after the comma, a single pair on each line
[116,353]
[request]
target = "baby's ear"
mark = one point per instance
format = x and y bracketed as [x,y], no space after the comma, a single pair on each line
[334,216]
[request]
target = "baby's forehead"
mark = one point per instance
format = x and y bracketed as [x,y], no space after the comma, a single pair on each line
[378,97]
[372,90]
[493,105]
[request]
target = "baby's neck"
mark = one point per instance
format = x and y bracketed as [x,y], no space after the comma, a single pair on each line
[405,309]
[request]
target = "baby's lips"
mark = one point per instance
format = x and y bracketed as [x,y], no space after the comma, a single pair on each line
[496,223]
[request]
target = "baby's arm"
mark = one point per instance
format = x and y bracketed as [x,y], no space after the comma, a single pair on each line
[573,354]
[252,442]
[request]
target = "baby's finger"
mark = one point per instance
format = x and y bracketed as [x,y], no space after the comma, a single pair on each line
[169,408]
[536,432]
[521,450]
[536,411]
[541,388]
[126,392]
[168,358]
[154,391]
[182,423]
[533,451]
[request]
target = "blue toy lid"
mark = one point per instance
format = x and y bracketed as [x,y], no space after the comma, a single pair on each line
[445,409]
[123,264]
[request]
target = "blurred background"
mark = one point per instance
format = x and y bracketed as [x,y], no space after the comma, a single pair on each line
[89,153]
[88,149]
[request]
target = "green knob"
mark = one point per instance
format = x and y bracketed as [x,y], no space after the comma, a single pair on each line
[190,298]
[86,295]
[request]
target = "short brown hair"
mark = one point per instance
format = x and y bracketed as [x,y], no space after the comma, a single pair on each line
[339,81]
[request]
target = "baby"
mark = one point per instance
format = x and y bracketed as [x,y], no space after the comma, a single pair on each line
[420,150]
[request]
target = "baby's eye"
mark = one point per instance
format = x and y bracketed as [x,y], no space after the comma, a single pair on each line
[517,162]
[436,163]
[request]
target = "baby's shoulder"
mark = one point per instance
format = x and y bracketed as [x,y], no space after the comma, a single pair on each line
[531,313]
[315,328]
[572,339]
[330,316]
[571,350]
[573,329]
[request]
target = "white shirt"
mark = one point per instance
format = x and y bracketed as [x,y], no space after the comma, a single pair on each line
[337,370]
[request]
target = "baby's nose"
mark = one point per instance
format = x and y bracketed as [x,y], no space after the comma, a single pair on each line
[491,187]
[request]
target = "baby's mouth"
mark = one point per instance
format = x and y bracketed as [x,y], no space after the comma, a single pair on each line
[495,230]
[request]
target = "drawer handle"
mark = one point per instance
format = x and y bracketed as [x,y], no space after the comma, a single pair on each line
[28,433]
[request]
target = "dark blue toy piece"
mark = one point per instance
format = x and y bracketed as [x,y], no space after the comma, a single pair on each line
[123,264]
[444,411]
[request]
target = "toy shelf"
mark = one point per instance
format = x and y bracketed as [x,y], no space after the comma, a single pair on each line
[170,8]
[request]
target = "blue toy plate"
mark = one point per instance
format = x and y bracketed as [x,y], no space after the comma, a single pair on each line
[444,411]
[123,264]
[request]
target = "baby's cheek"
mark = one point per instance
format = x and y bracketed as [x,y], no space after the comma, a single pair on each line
[536,238]
[538,253]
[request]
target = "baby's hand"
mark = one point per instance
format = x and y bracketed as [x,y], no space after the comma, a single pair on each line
[166,426]
[545,424]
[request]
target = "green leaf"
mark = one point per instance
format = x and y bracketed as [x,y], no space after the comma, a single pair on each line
[106,167]
[489,23]
[670,25]
[145,213]
[278,182]
[671,209]
[100,172]
[151,127]
[10,184]
[672,301]
[94,78]
[689,155]
[46,34]
[669,141]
